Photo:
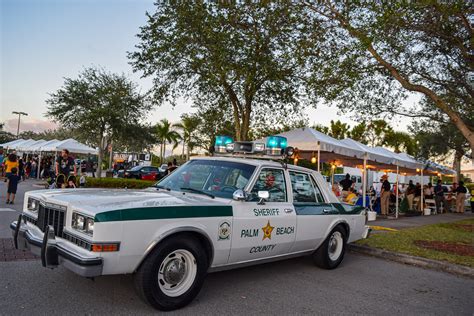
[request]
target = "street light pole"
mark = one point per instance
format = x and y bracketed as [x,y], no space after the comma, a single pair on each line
[19,115]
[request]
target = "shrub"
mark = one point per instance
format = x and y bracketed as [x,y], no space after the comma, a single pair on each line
[469,186]
[117,183]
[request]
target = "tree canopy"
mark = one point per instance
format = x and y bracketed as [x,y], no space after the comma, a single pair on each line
[243,55]
[98,105]
[375,53]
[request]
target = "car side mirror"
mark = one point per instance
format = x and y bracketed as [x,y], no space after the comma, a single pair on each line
[239,195]
[263,196]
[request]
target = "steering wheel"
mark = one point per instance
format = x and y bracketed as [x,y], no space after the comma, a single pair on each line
[228,188]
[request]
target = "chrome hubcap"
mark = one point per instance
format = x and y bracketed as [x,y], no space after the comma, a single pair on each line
[335,246]
[177,273]
[174,271]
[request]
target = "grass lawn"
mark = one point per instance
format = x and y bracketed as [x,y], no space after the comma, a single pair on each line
[458,234]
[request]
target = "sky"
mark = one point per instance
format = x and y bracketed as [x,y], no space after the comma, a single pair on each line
[44,41]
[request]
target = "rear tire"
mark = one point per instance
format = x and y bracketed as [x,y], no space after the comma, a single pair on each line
[331,253]
[173,274]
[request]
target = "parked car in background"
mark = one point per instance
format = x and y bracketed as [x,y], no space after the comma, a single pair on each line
[143,173]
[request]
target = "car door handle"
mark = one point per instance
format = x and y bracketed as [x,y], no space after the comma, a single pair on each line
[288,210]
[326,211]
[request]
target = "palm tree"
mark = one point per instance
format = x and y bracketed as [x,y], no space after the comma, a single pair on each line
[166,134]
[188,125]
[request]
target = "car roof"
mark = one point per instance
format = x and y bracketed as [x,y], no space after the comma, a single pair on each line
[254,162]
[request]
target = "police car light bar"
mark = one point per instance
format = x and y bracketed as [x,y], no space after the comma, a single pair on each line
[221,143]
[276,146]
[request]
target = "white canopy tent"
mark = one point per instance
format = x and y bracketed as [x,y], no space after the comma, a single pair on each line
[28,144]
[12,143]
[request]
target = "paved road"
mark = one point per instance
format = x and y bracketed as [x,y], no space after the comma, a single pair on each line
[362,285]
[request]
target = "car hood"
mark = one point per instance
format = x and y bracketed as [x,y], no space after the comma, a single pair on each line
[94,201]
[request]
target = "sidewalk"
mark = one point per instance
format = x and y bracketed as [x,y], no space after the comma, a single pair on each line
[416,221]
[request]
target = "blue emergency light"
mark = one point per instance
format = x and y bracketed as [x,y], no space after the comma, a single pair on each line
[222,142]
[276,145]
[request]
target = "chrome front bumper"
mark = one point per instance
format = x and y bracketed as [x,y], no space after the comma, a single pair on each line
[53,252]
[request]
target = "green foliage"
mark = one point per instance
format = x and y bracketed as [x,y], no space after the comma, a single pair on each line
[403,241]
[375,54]
[99,104]
[165,134]
[189,126]
[242,56]
[5,136]
[117,183]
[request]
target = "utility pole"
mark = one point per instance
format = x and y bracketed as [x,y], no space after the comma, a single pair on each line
[19,115]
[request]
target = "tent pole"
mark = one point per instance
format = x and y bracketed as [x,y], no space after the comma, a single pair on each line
[364,184]
[396,195]
[422,193]
[319,159]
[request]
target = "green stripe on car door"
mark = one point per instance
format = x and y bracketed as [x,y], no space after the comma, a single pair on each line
[164,212]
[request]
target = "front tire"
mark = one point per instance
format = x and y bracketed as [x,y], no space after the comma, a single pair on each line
[173,274]
[331,253]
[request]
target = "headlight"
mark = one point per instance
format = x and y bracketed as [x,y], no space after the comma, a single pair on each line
[82,223]
[33,205]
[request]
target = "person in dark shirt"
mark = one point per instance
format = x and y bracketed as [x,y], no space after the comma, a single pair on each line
[439,197]
[346,184]
[13,180]
[65,164]
[460,197]
[410,193]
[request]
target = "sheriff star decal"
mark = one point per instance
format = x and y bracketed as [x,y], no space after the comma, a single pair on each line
[267,231]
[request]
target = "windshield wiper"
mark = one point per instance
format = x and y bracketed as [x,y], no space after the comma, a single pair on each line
[197,191]
[162,187]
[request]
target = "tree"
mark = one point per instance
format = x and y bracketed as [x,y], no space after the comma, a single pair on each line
[441,141]
[244,55]
[98,105]
[375,53]
[214,121]
[5,136]
[400,142]
[189,125]
[358,133]
[165,134]
[376,132]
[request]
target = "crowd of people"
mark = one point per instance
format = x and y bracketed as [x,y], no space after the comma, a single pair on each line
[381,196]
[15,168]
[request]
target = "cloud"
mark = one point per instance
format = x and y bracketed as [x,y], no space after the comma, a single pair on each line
[26,124]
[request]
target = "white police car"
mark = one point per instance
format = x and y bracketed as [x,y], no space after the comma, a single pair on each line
[212,213]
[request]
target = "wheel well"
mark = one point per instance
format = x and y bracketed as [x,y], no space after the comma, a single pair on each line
[346,227]
[203,240]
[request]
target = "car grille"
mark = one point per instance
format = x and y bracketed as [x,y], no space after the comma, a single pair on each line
[51,216]
[78,241]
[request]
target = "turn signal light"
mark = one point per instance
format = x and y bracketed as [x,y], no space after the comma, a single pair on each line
[105,247]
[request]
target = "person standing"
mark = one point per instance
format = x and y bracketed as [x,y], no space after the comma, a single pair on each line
[472,200]
[410,194]
[13,180]
[460,197]
[33,168]
[385,195]
[1,163]
[439,197]
[21,169]
[65,164]
[346,185]
[10,163]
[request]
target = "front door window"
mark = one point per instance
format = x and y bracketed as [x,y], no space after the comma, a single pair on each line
[273,181]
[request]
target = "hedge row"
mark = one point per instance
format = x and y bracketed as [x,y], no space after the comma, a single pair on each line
[117,183]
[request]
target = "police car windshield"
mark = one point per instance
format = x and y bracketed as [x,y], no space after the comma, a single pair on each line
[218,178]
